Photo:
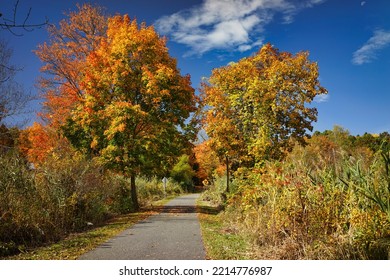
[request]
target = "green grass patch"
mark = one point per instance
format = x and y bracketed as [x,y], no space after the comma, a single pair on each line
[221,242]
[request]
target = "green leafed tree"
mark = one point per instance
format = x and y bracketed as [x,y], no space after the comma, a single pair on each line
[183,173]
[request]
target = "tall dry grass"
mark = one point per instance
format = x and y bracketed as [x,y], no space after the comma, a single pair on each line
[67,193]
[316,204]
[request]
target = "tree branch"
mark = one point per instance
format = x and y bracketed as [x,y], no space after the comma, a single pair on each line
[12,24]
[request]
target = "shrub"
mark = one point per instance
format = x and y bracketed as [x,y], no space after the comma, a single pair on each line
[150,189]
[182,173]
[18,223]
[73,191]
[321,207]
[214,194]
[66,193]
[120,201]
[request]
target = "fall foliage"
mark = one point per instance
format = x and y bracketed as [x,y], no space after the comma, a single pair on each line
[65,56]
[258,105]
[118,116]
[208,162]
[38,142]
[134,102]
[111,88]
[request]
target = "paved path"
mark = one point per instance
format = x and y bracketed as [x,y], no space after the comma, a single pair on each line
[173,234]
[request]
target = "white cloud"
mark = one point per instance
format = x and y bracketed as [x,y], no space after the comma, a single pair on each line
[227,24]
[321,98]
[367,53]
[315,2]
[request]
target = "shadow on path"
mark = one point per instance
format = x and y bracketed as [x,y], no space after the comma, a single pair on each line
[187,209]
[171,233]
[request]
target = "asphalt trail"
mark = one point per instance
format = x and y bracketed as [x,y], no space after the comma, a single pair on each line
[173,234]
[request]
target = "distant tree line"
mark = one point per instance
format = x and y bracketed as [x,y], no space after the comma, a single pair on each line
[342,137]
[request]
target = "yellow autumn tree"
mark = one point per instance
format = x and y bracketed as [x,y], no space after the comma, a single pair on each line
[256,106]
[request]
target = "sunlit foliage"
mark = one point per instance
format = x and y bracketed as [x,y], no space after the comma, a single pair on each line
[257,105]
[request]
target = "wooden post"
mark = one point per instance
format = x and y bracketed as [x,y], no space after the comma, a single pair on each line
[165,180]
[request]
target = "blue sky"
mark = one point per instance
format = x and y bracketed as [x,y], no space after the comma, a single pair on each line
[350,40]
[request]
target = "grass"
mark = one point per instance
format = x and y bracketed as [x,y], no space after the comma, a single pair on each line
[72,247]
[220,241]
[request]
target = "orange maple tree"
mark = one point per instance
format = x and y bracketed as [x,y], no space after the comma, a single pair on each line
[64,58]
[35,143]
[135,102]
[208,161]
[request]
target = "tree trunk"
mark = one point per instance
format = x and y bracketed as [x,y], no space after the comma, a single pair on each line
[227,174]
[134,197]
[224,194]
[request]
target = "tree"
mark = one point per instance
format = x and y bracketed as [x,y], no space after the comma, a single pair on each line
[259,104]
[8,138]
[13,99]
[207,161]
[183,173]
[64,59]
[12,24]
[37,142]
[135,103]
